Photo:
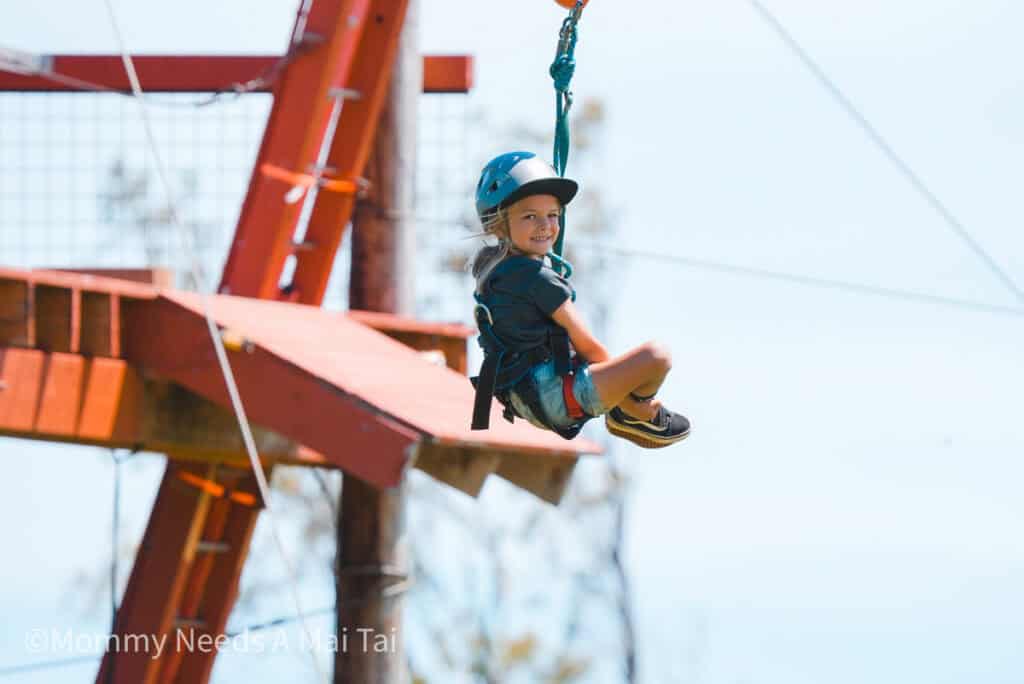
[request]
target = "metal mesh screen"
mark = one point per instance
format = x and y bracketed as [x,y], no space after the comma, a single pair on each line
[78,187]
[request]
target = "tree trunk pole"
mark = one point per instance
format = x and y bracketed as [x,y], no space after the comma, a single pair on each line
[383,227]
[372,554]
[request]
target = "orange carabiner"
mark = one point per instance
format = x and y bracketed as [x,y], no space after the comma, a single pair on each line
[569,4]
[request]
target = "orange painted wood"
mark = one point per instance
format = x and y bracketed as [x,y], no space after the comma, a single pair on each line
[386,322]
[291,141]
[206,73]
[61,396]
[119,409]
[21,372]
[17,324]
[170,339]
[101,324]
[158,576]
[69,396]
[343,381]
[158,277]
[213,587]
[448,74]
[349,151]
[58,318]
[112,405]
[81,281]
[192,594]
[448,338]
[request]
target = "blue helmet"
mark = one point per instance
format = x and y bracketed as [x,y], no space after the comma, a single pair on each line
[515,175]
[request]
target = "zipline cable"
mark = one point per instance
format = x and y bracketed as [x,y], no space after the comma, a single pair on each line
[796,279]
[915,180]
[218,345]
[115,524]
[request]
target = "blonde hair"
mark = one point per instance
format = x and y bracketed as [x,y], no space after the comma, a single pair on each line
[489,256]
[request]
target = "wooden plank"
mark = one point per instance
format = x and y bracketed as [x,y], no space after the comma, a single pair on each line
[447,74]
[463,469]
[113,404]
[204,73]
[172,341]
[448,338]
[21,375]
[58,318]
[157,277]
[543,476]
[17,324]
[105,402]
[291,143]
[195,428]
[61,398]
[158,576]
[215,596]
[100,328]
[349,151]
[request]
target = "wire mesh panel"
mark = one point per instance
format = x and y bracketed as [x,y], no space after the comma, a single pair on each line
[79,187]
[446,175]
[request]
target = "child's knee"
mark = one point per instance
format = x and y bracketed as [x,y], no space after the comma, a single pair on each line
[659,356]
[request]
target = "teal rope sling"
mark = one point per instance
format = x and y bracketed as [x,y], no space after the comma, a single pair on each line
[562,70]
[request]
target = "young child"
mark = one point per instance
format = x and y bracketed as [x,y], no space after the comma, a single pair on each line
[540,359]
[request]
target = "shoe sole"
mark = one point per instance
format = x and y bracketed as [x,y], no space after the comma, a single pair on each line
[641,438]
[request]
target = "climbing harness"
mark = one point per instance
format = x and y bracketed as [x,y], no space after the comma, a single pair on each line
[562,71]
[490,385]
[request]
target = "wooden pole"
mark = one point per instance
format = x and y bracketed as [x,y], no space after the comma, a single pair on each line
[372,562]
[383,228]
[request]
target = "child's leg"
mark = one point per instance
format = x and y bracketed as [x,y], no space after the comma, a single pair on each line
[639,371]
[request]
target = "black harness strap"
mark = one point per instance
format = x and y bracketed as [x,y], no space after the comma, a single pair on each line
[560,352]
[486,383]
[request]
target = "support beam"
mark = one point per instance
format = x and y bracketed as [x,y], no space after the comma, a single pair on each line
[372,574]
[466,470]
[360,129]
[329,37]
[106,402]
[358,381]
[212,583]
[202,73]
[170,338]
[158,577]
[447,338]
[372,556]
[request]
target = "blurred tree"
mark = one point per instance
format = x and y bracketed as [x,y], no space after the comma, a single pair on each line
[136,209]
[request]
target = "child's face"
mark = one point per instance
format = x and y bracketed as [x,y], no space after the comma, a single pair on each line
[533,224]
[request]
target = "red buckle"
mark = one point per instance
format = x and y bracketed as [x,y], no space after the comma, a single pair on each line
[572,406]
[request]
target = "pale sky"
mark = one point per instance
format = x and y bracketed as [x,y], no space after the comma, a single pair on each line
[847,508]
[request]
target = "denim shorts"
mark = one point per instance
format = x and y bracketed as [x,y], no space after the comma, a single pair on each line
[549,388]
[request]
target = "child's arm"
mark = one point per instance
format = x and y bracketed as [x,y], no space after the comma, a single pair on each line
[585,343]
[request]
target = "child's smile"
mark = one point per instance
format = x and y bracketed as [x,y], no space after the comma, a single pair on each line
[533,224]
